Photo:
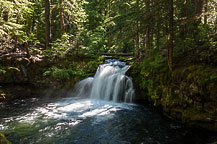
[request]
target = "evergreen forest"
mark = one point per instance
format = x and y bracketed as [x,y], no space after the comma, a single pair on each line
[47,46]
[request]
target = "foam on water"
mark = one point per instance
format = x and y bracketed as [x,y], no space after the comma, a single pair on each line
[109,83]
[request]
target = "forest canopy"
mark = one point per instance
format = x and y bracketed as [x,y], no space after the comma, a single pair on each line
[171,28]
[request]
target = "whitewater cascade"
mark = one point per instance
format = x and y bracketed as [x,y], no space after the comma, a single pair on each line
[109,83]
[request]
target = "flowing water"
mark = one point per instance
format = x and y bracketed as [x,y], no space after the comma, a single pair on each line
[94,117]
[90,121]
[109,83]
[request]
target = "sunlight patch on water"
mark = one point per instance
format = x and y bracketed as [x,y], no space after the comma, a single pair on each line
[75,107]
[72,111]
[74,120]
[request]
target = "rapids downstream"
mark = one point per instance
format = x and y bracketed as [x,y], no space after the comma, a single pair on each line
[99,111]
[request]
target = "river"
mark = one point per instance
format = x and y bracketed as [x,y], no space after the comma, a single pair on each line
[98,111]
[89,121]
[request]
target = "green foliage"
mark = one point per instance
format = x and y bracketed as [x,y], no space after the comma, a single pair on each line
[91,67]
[61,74]
[154,64]
[109,26]
[60,47]
[14,68]
[18,14]
[3,139]
[3,69]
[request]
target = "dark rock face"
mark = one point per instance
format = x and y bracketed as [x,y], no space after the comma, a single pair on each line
[21,78]
[191,96]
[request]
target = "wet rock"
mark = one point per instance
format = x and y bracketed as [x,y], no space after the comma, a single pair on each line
[189,96]
[210,107]
[176,113]
[198,105]
[3,139]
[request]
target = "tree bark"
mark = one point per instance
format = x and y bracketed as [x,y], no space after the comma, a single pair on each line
[137,32]
[171,38]
[205,11]
[16,37]
[53,26]
[147,31]
[47,24]
[61,16]
[33,21]
[147,36]
[137,38]
[5,16]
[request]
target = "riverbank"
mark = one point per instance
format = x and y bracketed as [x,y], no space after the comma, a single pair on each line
[188,95]
[23,78]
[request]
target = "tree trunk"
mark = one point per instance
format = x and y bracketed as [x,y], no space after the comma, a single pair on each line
[15,44]
[137,32]
[171,38]
[5,16]
[53,23]
[47,24]
[137,38]
[147,31]
[205,11]
[61,16]
[33,22]
[197,5]
[151,37]
[16,37]
[147,36]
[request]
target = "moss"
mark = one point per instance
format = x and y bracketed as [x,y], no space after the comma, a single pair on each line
[192,89]
[191,114]
[62,73]
[3,139]
[176,112]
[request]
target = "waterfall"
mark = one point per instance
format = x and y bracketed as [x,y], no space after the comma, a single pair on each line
[109,83]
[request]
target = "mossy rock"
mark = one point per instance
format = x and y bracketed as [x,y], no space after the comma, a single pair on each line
[213,94]
[3,139]
[176,113]
[192,114]
[211,107]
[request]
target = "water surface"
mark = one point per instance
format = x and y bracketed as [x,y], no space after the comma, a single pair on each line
[88,121]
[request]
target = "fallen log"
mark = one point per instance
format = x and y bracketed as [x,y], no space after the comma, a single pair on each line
[117,54]
[13,55]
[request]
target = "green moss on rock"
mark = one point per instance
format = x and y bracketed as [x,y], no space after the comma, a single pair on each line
[3,139]
[190,95]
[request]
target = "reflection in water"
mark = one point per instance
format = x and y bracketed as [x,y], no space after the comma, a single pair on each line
[73,120]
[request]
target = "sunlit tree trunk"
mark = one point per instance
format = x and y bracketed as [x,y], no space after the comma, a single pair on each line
[53,22]
[61,16]
[47,24]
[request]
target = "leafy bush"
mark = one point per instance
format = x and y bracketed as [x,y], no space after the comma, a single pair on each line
[62,74]
[3,70]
